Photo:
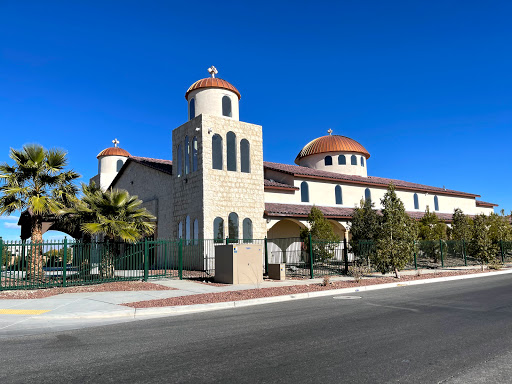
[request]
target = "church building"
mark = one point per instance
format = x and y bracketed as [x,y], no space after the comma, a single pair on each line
[217,184]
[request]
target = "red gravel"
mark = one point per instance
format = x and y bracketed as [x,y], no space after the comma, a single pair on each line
[105,287]
[220,297]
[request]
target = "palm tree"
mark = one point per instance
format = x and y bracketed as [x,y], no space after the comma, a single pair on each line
[38,183]
[113,214]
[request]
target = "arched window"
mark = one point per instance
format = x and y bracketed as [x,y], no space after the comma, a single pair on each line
[247,224]
[353,160]
[304,192]
[216,151]
[226,106]
[119,165]
[338,195]
[436,203]
[327,160]
[362,161]
[245,156]
[194,154]
[367,194]
[187,156]
[180,161]
[187,228]
[191,109]
[416,201]
[180,230]
[233,226]
[342,160]
[231,151]
[195,232]
[218,229]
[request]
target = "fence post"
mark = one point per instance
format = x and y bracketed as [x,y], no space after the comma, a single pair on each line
[311,272]
[2,260]
[146,259]
[441,249]
[180,260]
[266,256]
[64,261]
[415,258]
[502,253]
[345,254]
[464,252]
[227,240]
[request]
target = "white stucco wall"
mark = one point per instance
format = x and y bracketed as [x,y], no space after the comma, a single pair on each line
[318,162]
[209,101]
[107,169]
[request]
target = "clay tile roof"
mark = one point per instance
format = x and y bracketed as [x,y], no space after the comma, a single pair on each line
[305,172]
[331,143]
[210,82]
[271,184]
[485,204]
[295,210]
[158,164]
[113,151]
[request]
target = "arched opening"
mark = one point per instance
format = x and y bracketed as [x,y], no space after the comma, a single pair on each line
[338,195]
[328,160]
[187,228]
[233,226]
[436,203]
[187,156]
[218,229]
[194,154]
[119,165]
[180,161]
[367,194]
[226,106]
[247,227]
[342,160]
[245,156]
[195,232]
[416,201]
[362,161]
[353,160]
[191,109]
[216,152]
[304,192]
[284,243]
[180,230]
[231,151]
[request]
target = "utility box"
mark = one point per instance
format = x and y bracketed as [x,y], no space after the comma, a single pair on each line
[277,271]
[239,264]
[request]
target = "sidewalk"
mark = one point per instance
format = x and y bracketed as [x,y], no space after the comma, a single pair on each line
[75,309]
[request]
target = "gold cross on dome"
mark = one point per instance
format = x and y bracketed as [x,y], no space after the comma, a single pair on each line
[115,141]
[329,131]
[213,71]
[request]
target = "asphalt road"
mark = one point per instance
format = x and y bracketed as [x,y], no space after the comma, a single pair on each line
[454,332]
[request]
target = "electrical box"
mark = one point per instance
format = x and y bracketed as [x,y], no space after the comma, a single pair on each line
[239,264]
[277,271]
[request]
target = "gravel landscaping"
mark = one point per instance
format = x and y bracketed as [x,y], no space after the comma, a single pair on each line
[220,297]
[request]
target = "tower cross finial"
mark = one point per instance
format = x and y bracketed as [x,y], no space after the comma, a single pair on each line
[115,141]
[213,71]
[329,131]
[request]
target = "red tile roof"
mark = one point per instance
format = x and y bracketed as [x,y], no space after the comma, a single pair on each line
[296,210]
[331,143]
[210,82]
[158,164]
[485,204]
[113,151]
[305,172]
[271,184]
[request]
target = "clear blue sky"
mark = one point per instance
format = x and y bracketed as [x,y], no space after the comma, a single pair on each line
[425,86]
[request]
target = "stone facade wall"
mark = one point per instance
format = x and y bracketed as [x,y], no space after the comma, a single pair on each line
[154,188]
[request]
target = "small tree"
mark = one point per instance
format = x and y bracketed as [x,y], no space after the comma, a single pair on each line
[431,230]
[499,227]
[365,225]
[322,233]
[462,226]
[395,243]
[481,246]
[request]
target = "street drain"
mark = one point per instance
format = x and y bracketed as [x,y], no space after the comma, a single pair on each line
[346,297]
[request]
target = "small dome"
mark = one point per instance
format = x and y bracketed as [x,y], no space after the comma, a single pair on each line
[331,143]
[212,82]
[113,151]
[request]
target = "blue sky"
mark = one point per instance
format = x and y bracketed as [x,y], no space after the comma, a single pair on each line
[424,86]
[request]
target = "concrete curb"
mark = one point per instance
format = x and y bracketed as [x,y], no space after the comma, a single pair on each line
[195,308]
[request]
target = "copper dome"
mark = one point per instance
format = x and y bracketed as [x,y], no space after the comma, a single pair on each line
[331,143]
[113,151]
[212,82]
